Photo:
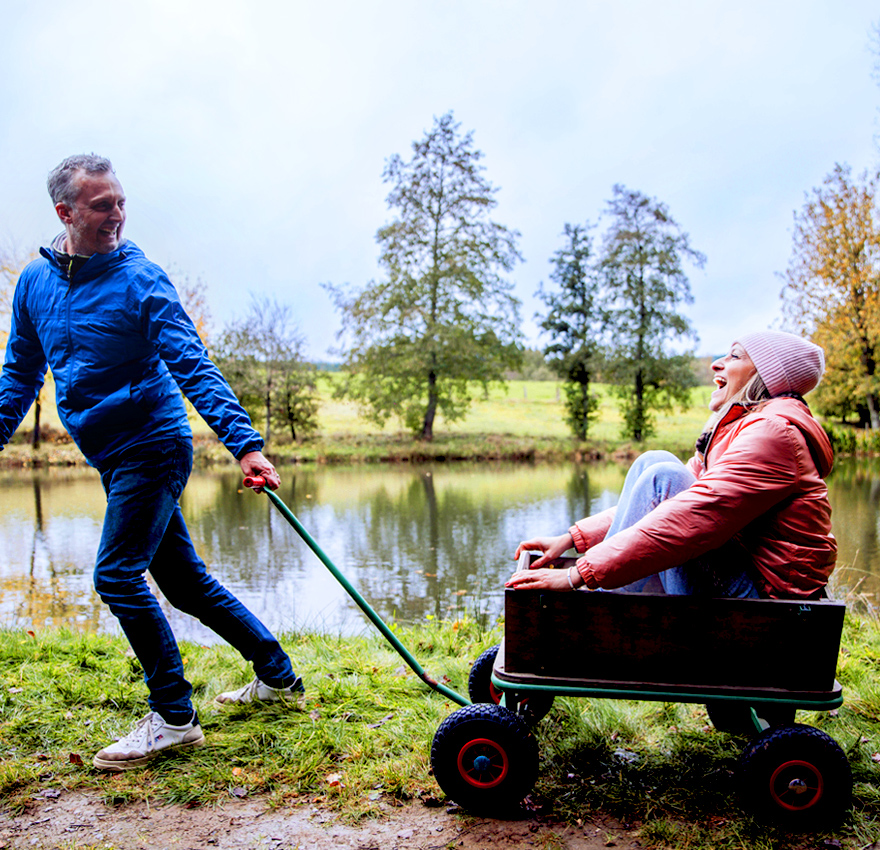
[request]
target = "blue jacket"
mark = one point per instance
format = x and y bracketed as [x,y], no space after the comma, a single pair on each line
[121,349]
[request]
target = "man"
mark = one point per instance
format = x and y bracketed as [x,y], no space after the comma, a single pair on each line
[110,325]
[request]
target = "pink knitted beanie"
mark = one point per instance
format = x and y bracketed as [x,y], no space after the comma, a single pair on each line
[785,362]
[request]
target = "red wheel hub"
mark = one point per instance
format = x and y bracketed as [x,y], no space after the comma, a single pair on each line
[796,785]
[483,763]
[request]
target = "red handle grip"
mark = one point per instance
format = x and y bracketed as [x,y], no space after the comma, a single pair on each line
[254,481]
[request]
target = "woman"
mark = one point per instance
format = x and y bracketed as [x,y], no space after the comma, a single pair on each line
[748,516]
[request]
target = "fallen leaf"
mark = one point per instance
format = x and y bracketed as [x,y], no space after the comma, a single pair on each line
[314,714]
[875,757]
[460,592]
[239,792]
[75,758]
[32,634]
[236,771]
[334,780]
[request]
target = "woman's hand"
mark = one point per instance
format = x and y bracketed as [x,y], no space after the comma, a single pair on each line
[541,580]
[552,547]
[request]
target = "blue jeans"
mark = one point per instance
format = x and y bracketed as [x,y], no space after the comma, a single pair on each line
[724,572]
[144,530]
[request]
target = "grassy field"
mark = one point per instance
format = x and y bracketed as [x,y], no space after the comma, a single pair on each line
[364,736]
[523,420]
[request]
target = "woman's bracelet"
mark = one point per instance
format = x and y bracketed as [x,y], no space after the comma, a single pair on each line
[570,582]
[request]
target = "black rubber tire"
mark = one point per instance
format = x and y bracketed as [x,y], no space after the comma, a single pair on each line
[796,777]
[735,717]
[480,687]
[485,758]
[532,707]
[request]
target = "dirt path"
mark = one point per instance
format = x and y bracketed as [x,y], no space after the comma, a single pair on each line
[79,821]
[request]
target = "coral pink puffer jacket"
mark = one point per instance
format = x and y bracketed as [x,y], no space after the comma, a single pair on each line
[761,478]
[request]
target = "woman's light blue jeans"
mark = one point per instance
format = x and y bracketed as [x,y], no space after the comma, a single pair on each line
[724,572]
[144,530]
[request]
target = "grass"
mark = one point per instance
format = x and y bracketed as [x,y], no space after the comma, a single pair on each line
[364,736]
[521,421]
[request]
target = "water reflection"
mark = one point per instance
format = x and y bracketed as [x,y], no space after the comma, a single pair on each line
[854,491]
[415,541]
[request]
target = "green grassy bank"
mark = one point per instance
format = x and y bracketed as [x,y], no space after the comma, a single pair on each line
[364,736]
[522,421]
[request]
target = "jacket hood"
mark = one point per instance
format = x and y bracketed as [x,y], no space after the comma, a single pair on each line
[797,414]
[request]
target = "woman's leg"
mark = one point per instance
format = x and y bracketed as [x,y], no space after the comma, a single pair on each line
[654,477]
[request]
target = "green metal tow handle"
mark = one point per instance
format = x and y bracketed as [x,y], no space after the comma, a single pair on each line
[256,482]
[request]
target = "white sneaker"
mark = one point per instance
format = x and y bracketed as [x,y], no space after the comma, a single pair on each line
[258,691]
[146,740]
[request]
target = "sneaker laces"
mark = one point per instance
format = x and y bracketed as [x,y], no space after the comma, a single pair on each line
[143,735]
[249,691]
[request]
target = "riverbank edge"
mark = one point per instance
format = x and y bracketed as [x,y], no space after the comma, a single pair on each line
[351,449]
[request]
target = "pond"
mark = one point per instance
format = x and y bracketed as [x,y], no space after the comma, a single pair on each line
[418,542]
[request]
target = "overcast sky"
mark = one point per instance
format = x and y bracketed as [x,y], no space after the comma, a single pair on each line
[250,137]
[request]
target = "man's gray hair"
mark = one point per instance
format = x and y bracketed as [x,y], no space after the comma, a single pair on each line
[61,178]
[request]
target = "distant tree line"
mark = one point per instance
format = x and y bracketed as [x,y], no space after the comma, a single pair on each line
[442,320]
[441,324]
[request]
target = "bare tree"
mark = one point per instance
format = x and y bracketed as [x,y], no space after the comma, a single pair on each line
[261,355]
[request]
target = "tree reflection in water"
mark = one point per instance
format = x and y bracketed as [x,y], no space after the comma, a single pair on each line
[430,541]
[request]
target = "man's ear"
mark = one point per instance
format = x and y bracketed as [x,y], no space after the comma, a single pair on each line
[63,211]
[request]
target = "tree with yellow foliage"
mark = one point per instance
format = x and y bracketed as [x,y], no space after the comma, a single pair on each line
[11,266]
[832,290]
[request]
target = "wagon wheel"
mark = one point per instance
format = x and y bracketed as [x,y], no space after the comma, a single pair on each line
[736,717]
[796,776]
[485,758]
[532,706]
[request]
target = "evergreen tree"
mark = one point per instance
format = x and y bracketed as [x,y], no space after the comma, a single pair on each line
[644,280]
[574,323]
